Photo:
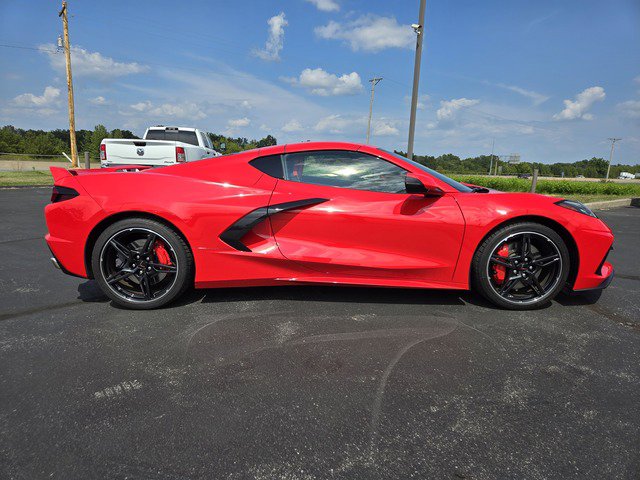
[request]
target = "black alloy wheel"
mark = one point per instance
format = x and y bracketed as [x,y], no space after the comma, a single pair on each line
[141,263]
[522,266]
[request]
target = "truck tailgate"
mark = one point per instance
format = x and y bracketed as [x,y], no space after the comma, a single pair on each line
[144,152]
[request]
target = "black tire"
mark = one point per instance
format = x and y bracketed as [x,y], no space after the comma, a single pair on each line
[122,244]
[527,285]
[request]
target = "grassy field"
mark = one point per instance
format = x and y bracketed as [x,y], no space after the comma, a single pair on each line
[564,188]
[17,179]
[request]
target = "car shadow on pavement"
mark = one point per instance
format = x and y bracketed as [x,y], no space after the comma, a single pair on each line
[315,293]
[90,292]
[580,298]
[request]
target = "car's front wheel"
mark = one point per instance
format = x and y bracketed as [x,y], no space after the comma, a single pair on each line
[521,266]
[141,264]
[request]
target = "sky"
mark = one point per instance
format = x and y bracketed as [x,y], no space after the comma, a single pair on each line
[550,79]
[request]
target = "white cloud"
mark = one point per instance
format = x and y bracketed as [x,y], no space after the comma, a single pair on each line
[630,108]
[574,109]
[382,128]
[322,83]
[169,111]
[369,33]
[49,97]
[535,97]
[239,122]
[275,39]
[85,63]
[422,101]
[99,100]
[637,79]
[292,126]
[355,125]
[326,5]
[449,108]
[332,123]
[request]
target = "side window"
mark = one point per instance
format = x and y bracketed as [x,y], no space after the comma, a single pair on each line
[271,165]
[203,137]
[346,170]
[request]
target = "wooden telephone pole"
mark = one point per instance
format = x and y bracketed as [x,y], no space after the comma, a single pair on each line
[72,117]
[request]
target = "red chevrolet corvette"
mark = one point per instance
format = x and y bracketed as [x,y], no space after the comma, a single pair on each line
[317,213]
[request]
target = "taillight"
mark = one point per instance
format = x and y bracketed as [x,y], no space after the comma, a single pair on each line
[103,152]
[180,155]
[60,194]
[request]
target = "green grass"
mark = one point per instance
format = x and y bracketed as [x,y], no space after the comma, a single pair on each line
[16,179]
[567,188]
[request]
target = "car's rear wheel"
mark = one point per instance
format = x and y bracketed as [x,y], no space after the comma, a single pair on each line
[522,266]
[141,264]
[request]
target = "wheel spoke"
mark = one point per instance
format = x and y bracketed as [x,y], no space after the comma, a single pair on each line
[508,285]
[534,283]
[146,287]
[121,249]
[162,268]
[500,260]
[525,245]
[117,276]
[148,244]
[546,261]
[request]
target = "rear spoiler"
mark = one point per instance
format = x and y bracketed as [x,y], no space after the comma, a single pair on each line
[59,173]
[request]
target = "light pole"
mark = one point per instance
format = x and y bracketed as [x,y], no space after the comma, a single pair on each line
[374,81]
[613,144]
[493,144]
[72,117]
[419,29]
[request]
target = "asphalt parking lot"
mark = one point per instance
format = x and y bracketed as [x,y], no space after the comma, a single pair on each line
[308,382]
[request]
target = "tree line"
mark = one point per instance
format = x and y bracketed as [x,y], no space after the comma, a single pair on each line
[54,142]
[591,168]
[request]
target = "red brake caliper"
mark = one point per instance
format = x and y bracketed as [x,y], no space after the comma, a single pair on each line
[500,271]
[161,253]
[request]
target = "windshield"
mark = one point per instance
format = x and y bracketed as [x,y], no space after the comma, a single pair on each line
[449,181]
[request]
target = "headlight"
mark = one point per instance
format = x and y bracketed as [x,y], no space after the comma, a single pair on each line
[576,207]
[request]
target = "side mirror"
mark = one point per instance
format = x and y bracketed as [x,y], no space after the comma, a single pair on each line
[415,186]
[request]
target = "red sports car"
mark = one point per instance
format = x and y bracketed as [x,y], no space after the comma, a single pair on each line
[317,213]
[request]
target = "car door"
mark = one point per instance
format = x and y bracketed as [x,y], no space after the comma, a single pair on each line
[356,219]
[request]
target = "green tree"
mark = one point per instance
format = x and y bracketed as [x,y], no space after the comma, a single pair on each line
[99,134]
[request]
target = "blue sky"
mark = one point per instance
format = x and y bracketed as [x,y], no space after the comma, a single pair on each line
[550,80]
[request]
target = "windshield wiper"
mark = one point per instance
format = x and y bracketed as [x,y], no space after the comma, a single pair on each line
[479,190]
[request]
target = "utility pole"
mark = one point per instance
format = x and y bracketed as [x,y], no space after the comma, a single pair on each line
[419,29]
[72,117]
[613,144]
[374,81]
[493,144]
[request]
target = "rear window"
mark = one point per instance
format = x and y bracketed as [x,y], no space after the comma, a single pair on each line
[173,136]
[154,135]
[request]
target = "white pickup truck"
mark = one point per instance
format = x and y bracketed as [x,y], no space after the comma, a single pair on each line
[160,146]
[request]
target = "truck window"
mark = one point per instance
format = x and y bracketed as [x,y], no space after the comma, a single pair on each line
[155,135]
[203,136]
[173,136]
[187,137]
